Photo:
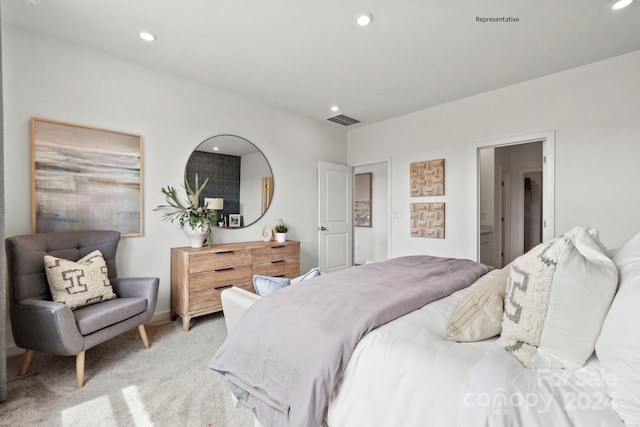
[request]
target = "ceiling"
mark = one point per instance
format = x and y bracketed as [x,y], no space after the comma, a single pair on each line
[304,56]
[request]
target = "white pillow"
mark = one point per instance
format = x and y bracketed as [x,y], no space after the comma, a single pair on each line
[557,297]
[308,275]
[265,285]
[618,346]
[478,315]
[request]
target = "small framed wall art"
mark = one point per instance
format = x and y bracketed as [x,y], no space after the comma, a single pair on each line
[427,178]
[235,220]
[427,220]
[85,178]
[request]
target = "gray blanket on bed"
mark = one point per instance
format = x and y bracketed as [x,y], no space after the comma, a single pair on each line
[288,351]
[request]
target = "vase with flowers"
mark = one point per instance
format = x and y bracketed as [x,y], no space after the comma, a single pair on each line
[196,220]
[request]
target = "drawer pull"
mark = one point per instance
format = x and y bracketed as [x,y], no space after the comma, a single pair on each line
[223,269]
[279,275]
[224,252]
[225,287]
[277,247]
[276,262]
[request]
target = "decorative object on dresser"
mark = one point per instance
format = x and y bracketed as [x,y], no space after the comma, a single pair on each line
[235,220]
[281,231]
[85,178]
[215,204]
[267,233]
[198,276]
[196,219]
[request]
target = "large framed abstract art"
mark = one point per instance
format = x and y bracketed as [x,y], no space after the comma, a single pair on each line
[85,178]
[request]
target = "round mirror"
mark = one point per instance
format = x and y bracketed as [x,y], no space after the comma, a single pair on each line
[240,184]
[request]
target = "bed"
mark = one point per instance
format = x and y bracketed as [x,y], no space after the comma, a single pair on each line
[405,372]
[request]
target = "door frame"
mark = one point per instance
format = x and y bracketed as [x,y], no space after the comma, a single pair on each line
[548,177]
[504,203]
[389,204]
[522,173]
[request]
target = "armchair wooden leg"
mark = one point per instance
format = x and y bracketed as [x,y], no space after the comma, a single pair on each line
[26,361]
[80,369]
[143,336]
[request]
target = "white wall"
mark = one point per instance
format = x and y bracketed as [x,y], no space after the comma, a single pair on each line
[50,79]
[595,112]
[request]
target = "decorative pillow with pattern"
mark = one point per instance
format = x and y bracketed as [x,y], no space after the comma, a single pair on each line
[558,295]
[478,315]
[78,283]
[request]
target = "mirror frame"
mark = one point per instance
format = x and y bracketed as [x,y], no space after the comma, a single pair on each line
[267,193]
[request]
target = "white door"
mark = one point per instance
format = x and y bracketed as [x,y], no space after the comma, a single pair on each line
[335,225]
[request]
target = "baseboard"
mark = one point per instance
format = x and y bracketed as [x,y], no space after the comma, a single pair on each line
[163,317]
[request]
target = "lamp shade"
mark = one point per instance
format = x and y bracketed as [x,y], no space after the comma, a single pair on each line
[214,203]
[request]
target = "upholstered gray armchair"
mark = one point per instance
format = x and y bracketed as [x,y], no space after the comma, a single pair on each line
[40,324]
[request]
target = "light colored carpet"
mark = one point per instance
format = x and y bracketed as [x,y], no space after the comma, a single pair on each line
[126,385]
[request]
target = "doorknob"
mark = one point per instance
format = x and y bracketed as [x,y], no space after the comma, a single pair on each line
[322,228]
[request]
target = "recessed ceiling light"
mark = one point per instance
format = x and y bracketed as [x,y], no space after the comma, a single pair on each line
[335,108]
[147,36]
[364,19]
[216,148]
[621,4]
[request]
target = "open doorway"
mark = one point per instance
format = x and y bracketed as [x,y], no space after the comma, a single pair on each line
[371,236]
[532,208]
[515,197]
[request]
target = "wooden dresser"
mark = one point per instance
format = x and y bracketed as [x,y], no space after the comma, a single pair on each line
[198,276]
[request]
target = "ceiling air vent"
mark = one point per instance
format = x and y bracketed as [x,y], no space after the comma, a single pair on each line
[343,120]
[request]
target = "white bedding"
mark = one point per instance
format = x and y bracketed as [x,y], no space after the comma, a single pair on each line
[406,374]
[500,392]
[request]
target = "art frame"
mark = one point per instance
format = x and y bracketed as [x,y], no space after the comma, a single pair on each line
[85,178]
[428,220]
[235,220]
[362,184]
[427,178]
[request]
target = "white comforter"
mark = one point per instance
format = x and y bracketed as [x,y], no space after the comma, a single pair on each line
[406,374]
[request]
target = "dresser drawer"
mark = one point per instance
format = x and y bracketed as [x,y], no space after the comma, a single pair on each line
[213,261]
[232,276]
[205,299]
[285,268]
[275,253]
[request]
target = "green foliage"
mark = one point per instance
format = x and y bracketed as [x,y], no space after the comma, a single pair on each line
[281,228]
[189,211]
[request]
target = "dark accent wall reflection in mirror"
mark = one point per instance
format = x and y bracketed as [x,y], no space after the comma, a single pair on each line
[238,173]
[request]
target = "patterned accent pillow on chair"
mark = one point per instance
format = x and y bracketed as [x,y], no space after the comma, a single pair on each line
[78,283]
[558,295]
